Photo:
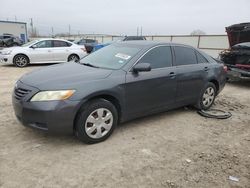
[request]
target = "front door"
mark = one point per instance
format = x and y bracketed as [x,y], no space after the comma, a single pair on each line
[41,52]
[153,90]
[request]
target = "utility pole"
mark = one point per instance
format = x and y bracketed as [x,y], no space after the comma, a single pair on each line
[52,31]
[69,30]
[141,30]
[15,18]
[137,31]
[31,25]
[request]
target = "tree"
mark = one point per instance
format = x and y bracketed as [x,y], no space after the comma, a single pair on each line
[197,32]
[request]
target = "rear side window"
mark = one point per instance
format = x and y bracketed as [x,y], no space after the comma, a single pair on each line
[158,57]
[58,43]
[201,58]
[184,56]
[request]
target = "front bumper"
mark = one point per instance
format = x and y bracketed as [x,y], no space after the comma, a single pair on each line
[6,59]
[50,116]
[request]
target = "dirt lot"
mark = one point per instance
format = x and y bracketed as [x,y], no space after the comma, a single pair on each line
[173,149]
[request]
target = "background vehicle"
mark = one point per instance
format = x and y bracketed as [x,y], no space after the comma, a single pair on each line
[118,39]
[237,58]
[42,51]
[7,40]
[87,43]
[128,38]
[120,82]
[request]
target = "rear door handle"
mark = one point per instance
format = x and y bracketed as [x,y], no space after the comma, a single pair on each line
[172,75]
[49,51]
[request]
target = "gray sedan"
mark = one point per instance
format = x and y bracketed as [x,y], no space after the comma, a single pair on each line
[118,83]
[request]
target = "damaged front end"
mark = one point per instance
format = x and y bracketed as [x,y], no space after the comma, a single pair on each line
[237,58]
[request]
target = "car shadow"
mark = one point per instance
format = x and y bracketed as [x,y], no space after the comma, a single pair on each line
[69,140]
[30,65]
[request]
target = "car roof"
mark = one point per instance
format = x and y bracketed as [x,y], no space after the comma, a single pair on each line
[148,43]
[52,39]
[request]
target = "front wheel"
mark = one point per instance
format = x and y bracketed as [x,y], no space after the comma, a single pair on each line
[96,121]
[207,97]
[21,60]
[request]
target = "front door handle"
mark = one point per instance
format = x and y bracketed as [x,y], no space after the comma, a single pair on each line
[206,69]
[49,51]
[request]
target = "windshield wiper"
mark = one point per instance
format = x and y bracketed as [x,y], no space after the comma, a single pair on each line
[90,65]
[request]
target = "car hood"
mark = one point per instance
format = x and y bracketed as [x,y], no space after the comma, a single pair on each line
[10,48]
[63,76]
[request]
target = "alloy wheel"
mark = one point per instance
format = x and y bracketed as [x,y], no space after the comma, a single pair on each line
[21,61]
[73,58]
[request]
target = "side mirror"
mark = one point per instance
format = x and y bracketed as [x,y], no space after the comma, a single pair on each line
[34,46]
[142,67]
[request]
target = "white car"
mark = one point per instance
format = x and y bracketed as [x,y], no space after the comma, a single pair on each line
[42,51]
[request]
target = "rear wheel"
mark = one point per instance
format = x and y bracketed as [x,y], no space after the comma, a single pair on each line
[21,60]
[74,58]
[96,121]
[207,97]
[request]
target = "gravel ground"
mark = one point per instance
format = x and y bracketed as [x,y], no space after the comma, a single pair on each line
[178,148]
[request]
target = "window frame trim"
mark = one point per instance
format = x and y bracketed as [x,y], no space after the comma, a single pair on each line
[161,45]
[198,53]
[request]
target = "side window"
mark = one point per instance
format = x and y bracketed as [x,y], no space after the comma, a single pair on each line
[6,37]
[158,57]
[44,44]
[184,56]
[58,43]
[201,58]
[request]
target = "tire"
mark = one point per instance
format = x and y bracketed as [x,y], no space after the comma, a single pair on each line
[21,60]
[73,57]
[207,97]
[96,121]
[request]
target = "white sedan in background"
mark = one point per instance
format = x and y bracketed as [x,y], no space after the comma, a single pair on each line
[42,51]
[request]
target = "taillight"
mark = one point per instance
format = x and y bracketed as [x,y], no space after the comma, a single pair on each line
[83,49]
[225,68]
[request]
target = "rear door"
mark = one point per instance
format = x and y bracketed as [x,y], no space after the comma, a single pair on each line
[191,75]
[61,50]
[156,89]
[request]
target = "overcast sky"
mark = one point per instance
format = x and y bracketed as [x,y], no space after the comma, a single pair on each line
[162,17]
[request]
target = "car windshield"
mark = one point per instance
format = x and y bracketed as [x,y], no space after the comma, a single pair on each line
[29,43]
[111,57]
[76,41]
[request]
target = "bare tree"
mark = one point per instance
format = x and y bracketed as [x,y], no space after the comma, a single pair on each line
[197,32]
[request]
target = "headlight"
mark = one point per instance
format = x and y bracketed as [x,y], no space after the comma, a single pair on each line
[52,95]
[6,52]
